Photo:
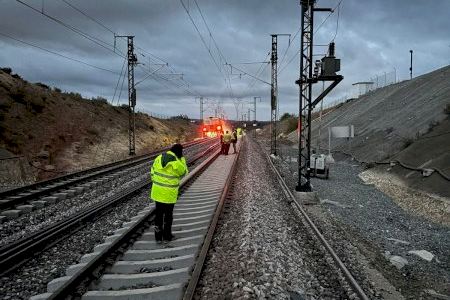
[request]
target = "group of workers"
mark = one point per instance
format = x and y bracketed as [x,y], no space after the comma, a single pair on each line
[166,173]
[229,138]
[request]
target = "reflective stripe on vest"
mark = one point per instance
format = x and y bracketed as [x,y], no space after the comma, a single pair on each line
[165,175]
[165,184]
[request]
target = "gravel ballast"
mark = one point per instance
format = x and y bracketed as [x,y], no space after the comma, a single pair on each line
[33,276]
[261,249]
[360,219]
[15,229]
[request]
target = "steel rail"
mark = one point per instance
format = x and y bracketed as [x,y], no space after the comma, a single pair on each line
[15,254]
[55,184]
[86,274]
[195,276]
[351,280]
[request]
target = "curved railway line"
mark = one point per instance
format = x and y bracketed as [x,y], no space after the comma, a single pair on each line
[15,254]
[131,265]
[10,199]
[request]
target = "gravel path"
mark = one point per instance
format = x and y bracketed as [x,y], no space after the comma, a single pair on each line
[370,220]
[260,249]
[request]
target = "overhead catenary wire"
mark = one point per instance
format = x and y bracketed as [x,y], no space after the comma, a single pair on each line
[58,54]
[109,29]
[95,40]
[208,48]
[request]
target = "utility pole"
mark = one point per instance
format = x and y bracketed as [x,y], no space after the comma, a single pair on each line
[325,70]
[274,93]
[410,66]
[248,115]
[254,115]
[273,96]
[202,110]
[132,61]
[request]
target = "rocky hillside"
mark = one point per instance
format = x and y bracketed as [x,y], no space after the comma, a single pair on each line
[45,132]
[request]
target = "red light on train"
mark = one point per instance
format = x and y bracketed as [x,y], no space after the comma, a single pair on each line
[219,127]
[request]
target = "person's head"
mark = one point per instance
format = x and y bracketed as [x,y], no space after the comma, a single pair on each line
[226,131]
[177,149]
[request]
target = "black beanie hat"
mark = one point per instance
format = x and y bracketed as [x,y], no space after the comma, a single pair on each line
[177,149]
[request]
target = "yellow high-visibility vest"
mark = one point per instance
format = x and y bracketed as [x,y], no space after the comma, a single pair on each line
[166,173]
[226,138]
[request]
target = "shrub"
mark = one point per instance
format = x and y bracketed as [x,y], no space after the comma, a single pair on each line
[292,124]
[16,76]
[43,85]
[6,70]
[18,95]
[37,107]
[180,117]
[286,116]
[100,100]
[57,90]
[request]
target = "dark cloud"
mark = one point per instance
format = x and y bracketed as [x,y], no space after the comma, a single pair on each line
[373,37]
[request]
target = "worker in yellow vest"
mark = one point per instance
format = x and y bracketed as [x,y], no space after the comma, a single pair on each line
[166,172]
[239,131]
[226,141]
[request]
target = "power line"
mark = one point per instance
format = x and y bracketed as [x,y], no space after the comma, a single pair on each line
[207,47]
[118,80]
[148,74]
[95,40]
[58,54]
[87,16]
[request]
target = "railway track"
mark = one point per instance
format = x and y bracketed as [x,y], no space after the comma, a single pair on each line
[131,265]
[16,201]
[15,254]
[293,200]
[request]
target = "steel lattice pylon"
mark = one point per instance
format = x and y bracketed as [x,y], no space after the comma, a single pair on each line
[132,60]
[273,97]
[305,95]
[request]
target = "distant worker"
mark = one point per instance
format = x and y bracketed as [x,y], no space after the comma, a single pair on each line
[166,173]
[239,131]
[222,145]
[226,142]
[234,138]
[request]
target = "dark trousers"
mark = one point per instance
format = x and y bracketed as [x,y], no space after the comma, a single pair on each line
[163,221]
[234,147]
[227,148]
[222,148]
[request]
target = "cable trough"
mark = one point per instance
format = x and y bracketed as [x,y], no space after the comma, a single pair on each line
[17,253]
[131,265]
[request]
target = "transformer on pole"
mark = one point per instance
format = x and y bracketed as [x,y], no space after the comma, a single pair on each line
[132,61]
[325,70]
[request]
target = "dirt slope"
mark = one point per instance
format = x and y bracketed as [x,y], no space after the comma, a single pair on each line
[407,121]
[61,132]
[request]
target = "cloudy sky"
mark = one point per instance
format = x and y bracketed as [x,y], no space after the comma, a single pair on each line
[372,37]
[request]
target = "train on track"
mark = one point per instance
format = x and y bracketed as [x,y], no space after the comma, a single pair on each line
[213,127]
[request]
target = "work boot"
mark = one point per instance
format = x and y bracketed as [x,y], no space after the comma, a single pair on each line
[169,237]
[158,235]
